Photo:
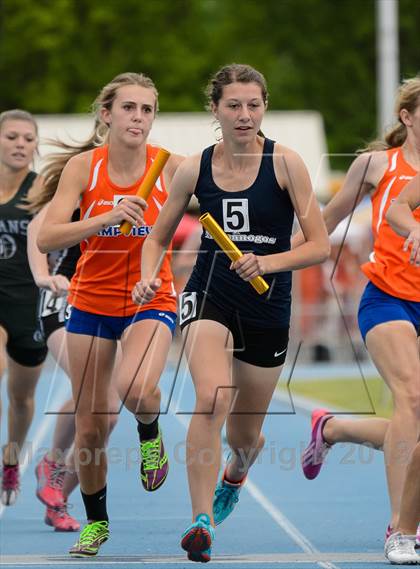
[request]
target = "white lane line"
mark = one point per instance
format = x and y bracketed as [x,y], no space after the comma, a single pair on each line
[307,405]
[280,519]
[303,403]
[260,559]
[44,428]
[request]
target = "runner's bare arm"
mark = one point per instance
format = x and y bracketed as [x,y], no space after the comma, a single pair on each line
[400,217]
[399,214]
[38,262]
[180,193]
[363,175]
[292,174]
[171,167]
[154,248]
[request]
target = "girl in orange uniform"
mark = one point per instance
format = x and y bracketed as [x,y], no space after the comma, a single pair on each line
[104,175]
[389,312]
[403,546]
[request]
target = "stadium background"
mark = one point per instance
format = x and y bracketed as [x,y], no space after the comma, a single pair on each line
[320,59]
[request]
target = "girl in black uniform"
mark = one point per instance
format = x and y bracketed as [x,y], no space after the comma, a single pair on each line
[21,351]
[235,340]
[55,481]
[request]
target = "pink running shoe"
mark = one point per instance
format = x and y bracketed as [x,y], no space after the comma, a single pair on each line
[60,520]
[50,479]
[9,484]
[314,454]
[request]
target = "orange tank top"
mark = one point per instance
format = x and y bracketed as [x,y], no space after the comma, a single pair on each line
[388,267]
[110,262]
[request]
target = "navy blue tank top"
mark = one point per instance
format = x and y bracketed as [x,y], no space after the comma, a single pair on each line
[16,281]
[259,220]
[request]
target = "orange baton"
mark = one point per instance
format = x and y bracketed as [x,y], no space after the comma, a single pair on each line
[149,181]
[229,247]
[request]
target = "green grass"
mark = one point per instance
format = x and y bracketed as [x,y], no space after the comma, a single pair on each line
[353,395]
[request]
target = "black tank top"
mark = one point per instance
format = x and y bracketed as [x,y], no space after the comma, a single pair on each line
[66,260]
[16,281]
[258,219]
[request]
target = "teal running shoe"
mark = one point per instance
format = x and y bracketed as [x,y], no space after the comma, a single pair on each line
[198,538]
[226,497]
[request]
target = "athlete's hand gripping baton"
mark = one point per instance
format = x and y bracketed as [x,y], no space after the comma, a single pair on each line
[229,247]
[149,181]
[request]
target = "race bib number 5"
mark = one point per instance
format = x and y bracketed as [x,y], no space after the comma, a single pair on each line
[187,306]
[235,215]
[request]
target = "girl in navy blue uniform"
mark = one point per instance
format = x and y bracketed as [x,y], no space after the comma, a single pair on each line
[21,351]
[55,481]
[235,340]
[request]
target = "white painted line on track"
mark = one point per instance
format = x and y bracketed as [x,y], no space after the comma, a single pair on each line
[310,555]
[303,403]
[280,519]
[260,559]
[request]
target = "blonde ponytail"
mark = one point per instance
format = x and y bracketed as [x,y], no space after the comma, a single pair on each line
[43,193]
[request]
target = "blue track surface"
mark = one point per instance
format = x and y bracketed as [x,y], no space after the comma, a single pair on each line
[282,520]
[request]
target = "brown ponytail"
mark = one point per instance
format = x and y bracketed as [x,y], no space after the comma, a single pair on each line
[408,97]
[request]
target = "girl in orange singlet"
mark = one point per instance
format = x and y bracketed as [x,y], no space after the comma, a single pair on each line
[389,312]
[104,175]
[402,546]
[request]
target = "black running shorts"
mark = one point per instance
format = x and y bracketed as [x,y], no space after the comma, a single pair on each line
[263,347]
[25,344]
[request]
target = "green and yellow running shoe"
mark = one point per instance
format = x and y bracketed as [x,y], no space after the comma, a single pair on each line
[154,463]
[91,538]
